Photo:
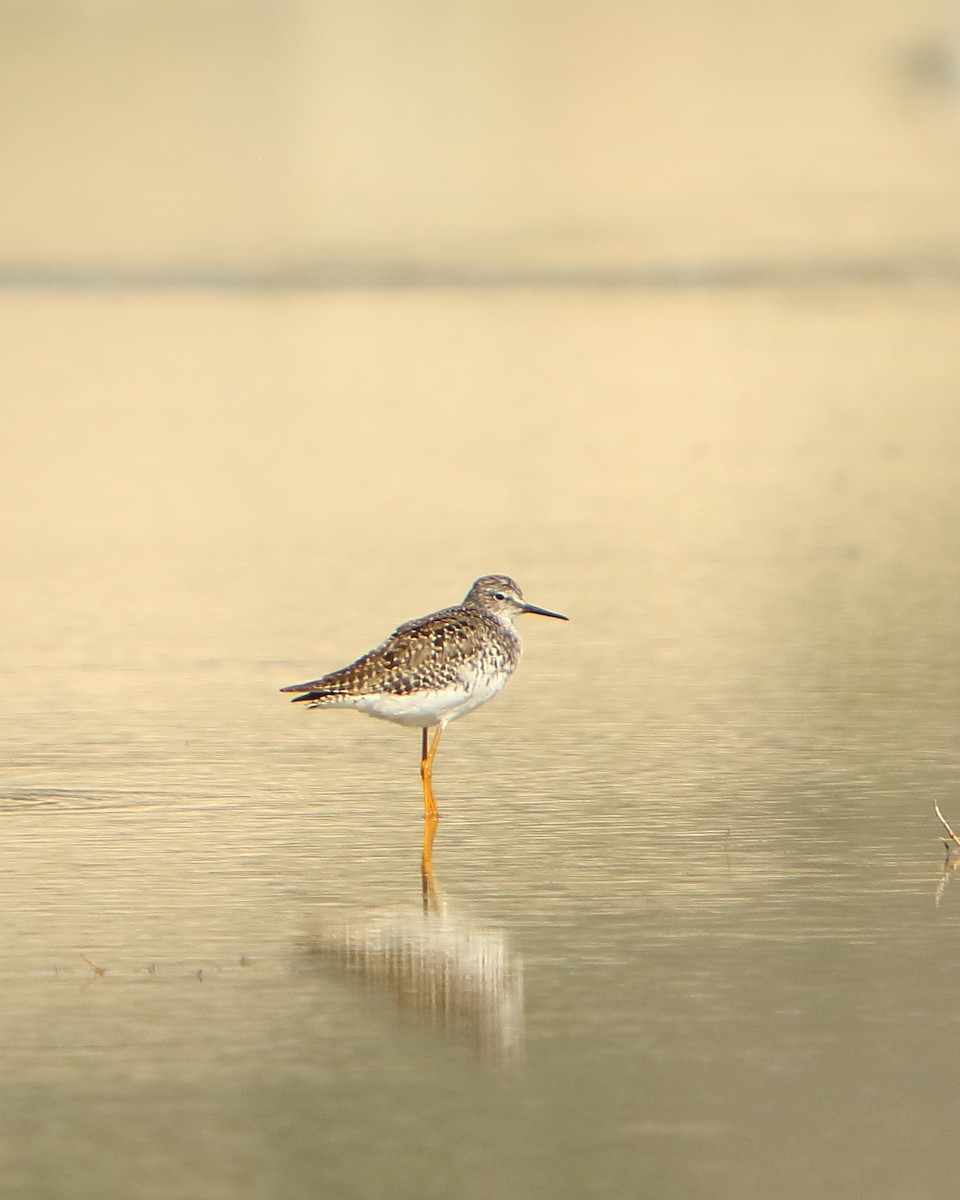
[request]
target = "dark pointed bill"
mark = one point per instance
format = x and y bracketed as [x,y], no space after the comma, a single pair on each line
[543,612]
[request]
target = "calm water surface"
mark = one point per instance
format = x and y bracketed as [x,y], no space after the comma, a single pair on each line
[692,935]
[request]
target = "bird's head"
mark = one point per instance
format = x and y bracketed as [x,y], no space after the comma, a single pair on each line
[499,596]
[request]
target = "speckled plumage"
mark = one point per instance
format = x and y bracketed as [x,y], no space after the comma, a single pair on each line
[434,669]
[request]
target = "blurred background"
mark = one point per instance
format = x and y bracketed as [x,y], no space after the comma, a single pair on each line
[313,312]
[326,142]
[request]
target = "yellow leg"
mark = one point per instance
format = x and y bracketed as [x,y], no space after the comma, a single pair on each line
[430,809]
[431,893]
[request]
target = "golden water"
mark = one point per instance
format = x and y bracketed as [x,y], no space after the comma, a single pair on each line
[688,939]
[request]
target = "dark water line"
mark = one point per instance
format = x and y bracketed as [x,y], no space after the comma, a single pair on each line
[348,276]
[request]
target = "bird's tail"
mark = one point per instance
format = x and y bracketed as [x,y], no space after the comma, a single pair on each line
[311,693]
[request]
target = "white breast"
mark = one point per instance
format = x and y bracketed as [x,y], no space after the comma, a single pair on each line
[424,707]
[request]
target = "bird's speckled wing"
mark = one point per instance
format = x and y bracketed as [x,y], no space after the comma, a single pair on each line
[430,652]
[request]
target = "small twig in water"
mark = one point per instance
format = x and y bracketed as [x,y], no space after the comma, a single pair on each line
[953,845]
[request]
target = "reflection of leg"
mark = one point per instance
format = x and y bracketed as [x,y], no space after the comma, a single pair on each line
[431,893]
[430,809]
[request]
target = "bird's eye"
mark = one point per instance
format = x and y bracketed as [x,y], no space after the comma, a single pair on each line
[499,596]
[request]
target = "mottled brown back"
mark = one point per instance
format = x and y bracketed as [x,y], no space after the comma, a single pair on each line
[430,652]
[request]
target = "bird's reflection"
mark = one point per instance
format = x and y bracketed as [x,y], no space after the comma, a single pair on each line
[459,978]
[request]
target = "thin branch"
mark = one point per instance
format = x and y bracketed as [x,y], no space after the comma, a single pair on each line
[954,841]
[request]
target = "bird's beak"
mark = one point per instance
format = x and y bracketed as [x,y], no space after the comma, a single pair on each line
[543,612]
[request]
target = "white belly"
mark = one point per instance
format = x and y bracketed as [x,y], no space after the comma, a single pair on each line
[423,708]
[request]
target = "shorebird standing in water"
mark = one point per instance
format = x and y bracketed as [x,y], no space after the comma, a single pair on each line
[434,669]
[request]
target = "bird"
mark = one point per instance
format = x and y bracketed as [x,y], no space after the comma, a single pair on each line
[434,669]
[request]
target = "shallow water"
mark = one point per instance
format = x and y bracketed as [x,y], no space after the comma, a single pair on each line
[692,935]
